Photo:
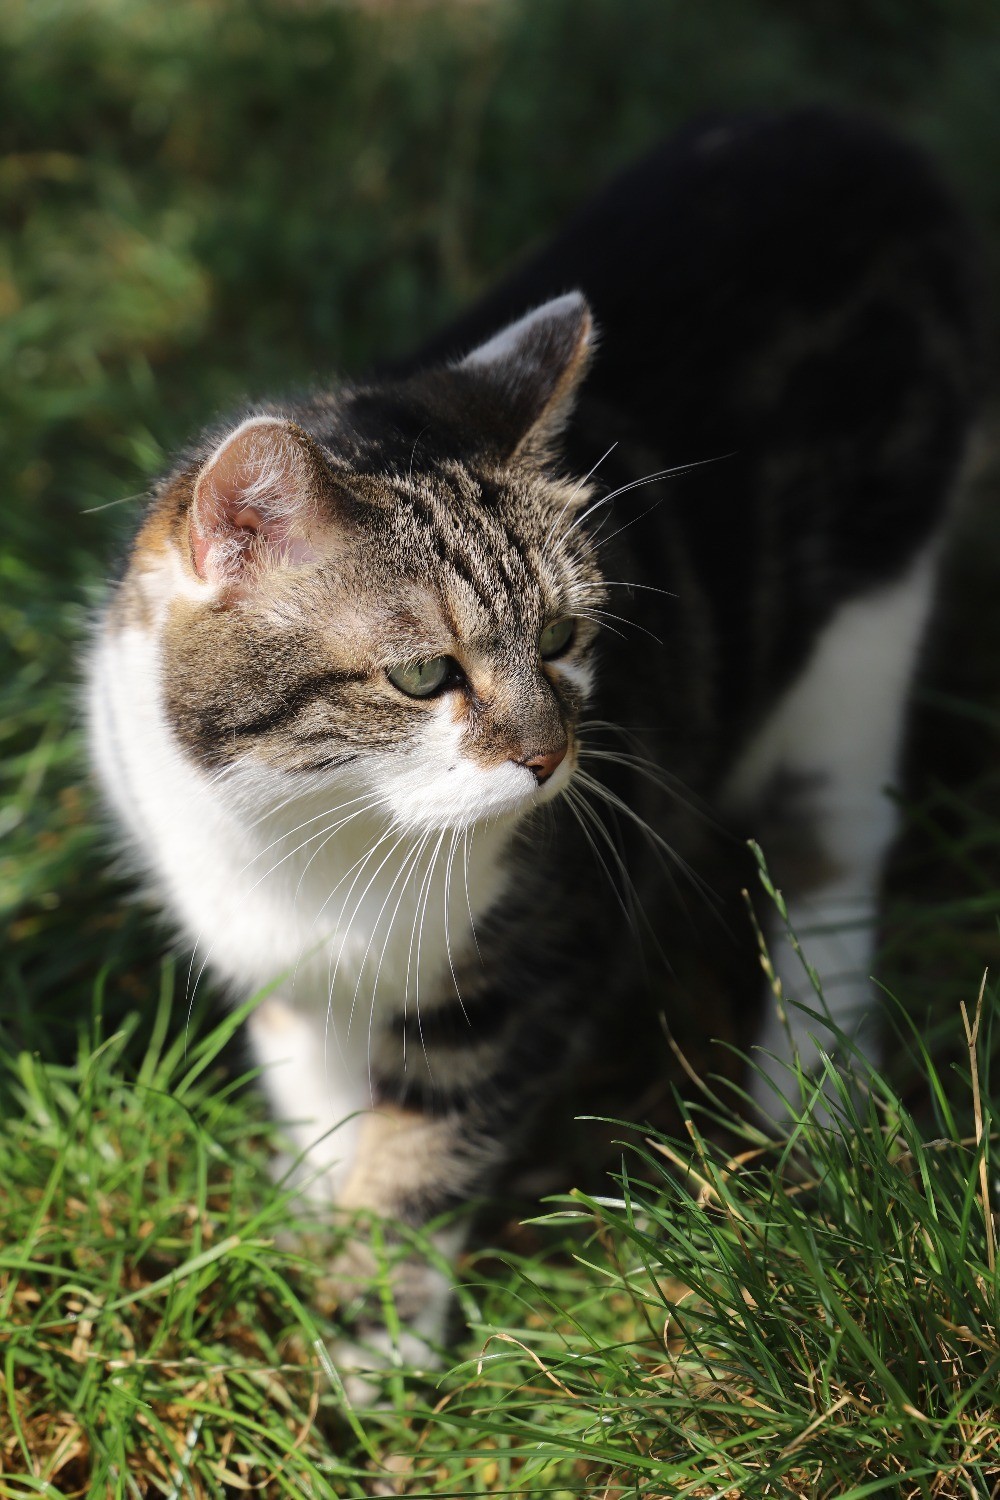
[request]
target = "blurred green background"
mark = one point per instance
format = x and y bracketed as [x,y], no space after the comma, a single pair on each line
[208,199]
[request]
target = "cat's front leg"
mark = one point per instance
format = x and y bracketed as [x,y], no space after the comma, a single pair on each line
[314,1094]
[386,1167]
[410,1168]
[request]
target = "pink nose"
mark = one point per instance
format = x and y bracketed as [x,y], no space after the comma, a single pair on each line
[542,766]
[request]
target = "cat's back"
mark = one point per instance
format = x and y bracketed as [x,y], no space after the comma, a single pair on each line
[725,235]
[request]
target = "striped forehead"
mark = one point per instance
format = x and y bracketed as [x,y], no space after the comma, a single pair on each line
[487,574]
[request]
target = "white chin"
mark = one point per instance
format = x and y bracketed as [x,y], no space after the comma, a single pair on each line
[428,814]
[464,797]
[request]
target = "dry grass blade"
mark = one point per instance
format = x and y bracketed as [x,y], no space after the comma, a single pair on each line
[982,1140]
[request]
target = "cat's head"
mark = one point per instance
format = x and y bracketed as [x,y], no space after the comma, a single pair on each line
[386,588]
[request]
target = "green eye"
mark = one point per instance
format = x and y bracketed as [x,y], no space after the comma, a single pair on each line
[420,679]
[555,638]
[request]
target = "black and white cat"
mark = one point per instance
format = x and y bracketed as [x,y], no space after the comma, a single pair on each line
[661,512]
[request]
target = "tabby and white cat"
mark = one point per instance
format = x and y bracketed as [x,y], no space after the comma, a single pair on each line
[352,698]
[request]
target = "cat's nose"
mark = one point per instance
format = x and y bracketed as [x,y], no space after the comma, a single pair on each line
[542,766]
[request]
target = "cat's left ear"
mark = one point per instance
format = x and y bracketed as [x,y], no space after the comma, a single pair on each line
[532,370]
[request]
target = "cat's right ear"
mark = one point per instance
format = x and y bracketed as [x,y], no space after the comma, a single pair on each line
[253,500]
[532,370]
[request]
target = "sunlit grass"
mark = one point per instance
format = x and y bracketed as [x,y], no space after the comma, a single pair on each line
[813,1314]
[153,1342]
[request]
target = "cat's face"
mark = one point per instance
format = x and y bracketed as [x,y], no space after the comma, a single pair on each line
[387,591]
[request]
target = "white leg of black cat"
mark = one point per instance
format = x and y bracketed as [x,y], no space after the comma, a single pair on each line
[313,1095]
[835,929]
[813,786]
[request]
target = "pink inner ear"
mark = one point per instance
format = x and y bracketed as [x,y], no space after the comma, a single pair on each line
[250,501]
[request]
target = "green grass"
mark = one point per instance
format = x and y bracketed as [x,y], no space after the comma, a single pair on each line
[816,1315]
[152,1335]
[209,199]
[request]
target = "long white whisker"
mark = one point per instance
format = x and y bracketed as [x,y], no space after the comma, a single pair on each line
[447,931]
[359,867]
[409,949]
[625,583]
[672,785]
[327,811]
[349,923]
[605,614]
[408,864]
[634,902]
[623,489]
[467,837]
[577,807]
[332,969]
[297,794]
[634,484]
[655,838]
[589,475]
[359,812]
[404,865]
[371,938]
[420,935]
[657,503]
[586,614]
